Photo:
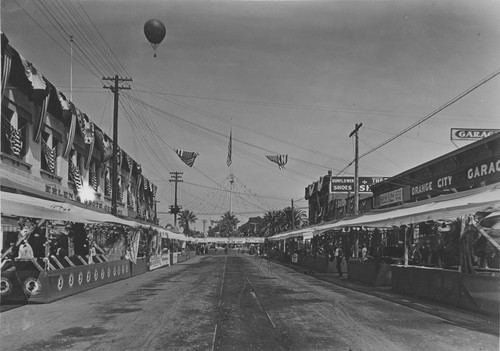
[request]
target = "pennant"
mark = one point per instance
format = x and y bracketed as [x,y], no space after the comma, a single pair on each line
[74,175]
[229,159]
[187,157]
[280,160]
[50,156]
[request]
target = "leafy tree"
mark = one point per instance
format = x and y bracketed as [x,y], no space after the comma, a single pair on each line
[185,218]
[227,224]
[250,227]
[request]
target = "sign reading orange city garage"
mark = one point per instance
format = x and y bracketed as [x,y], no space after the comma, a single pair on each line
[346,184]
[471,133]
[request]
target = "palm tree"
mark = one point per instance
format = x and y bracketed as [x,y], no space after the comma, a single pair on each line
[298,217]
[186,217]
[227,224]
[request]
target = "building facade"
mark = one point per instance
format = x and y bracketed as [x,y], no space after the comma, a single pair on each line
[52,149]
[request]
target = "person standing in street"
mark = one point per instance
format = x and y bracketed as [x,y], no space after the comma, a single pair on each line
[338,259]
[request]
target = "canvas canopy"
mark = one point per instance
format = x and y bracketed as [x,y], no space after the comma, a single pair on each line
[28,206]
[442,207]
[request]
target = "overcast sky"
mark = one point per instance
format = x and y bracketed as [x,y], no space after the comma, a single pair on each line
[290,77]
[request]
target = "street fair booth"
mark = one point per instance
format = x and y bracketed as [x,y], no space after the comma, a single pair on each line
[446,248]
[51,249]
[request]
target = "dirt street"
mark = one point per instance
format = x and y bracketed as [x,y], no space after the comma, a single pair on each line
[231,302]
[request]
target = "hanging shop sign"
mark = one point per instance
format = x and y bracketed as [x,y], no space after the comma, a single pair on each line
[392,197]
[471,133]
[346,184]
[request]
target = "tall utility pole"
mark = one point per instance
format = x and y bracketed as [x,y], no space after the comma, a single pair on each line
[176,178]
[114,180]
[293,219]
[356,176]
[231,181]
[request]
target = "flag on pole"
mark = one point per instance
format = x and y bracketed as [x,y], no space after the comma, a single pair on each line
[229,159]
[281,160]
[187,157]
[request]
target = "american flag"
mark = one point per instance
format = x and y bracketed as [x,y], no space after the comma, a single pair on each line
[50,156]
[93,176]
[229,159]
[15,140]
[281,160]
[74,175]
[187,157]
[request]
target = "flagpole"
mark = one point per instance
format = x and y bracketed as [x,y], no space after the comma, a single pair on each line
[71,68]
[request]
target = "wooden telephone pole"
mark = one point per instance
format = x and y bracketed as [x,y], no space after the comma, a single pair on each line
[176,178]
[114,172]
[356,176]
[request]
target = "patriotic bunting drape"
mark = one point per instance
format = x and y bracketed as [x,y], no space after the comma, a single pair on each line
[74,175]
[130,196]
[93,176]
[13,135]
[229,159]
[50,156]
[6,64]
[187,157]
[107,185]
[280,160]
[72,129]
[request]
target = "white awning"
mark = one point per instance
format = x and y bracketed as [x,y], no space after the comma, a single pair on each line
[28,206]
[441,207]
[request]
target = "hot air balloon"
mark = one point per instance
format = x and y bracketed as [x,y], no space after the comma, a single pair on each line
[155,32]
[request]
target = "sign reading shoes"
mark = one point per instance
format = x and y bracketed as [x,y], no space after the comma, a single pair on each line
[471,133]
[346,184]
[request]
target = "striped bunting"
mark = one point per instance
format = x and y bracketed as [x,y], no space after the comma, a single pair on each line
[93,176]
[74,175]
[50,156]
[281,160]
[13,135]
[187,157]
[108,187]
[130,196]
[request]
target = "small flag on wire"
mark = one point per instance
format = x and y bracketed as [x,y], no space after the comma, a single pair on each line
[187,157]
[229,159]
[281,160]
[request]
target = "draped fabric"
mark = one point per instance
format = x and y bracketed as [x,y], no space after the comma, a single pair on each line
[90,148]
[118,156]
[65,105]
[280,160]
[130,196]
[6,65]
[71,132]
[146,184]
[42,115]
[107,186]
[130,162]
[155,188]
[50,156]
[188,157]
[41,94]
[104,145]
[93,176]
[74,175]
[119,196]
[14,137]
